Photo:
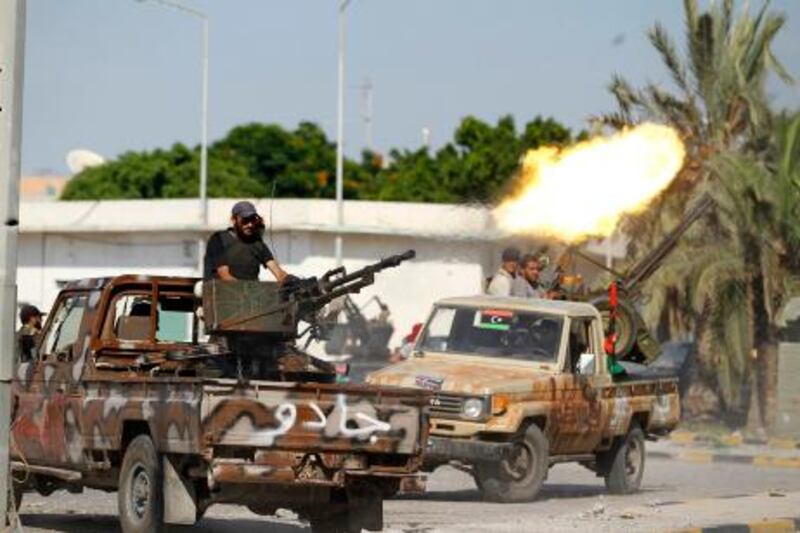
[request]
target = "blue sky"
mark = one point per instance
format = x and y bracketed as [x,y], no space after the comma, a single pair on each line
[117,75]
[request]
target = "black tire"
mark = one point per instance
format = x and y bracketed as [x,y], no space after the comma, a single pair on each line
[17,499]
[624,463]
[519,476]
[13,500]
[261,509]
[338,522]
[200,513]
[140,498]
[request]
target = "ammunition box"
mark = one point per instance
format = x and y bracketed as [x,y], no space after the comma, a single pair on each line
[247,307]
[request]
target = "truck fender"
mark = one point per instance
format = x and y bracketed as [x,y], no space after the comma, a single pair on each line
[642,418]
[519,415]
[131,428]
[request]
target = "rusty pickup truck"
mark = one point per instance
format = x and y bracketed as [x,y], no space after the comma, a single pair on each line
[522,384]
[123,396]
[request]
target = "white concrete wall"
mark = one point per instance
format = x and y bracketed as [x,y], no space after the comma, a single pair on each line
[45,261]
[457,247]
[441,268]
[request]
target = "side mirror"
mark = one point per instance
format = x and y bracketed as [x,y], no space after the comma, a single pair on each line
[586,364]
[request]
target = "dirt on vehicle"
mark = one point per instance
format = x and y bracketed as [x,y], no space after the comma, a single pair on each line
[522,384]
[123,395]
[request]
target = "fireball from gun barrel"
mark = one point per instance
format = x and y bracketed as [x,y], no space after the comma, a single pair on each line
[584,190]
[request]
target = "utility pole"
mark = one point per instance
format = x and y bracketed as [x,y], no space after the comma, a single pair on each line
[366,113]
[12,53]
[338,247]
[203,192]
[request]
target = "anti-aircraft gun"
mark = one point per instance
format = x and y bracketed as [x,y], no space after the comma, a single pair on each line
[627,337]
[258,323]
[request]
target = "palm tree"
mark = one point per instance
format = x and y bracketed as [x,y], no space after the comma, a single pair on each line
[759,203]
[713,287]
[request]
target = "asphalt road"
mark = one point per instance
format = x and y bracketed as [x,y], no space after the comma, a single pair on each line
[675,494]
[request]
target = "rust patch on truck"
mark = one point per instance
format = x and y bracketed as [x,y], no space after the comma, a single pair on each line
[107,371]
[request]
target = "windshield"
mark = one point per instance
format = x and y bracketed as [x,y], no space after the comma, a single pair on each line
[494,332]
[65,327]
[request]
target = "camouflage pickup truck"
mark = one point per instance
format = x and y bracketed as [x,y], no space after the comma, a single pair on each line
[522,384]
[122,396]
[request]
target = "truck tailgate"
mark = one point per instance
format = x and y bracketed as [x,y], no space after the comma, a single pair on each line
[313,417]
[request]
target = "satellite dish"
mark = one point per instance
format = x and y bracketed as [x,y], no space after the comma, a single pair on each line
[81,159]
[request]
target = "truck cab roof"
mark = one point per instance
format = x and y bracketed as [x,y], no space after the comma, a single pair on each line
[554,307]
[126,279]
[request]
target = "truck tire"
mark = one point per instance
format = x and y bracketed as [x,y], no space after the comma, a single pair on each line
[13,499]
[140,498]
[624,463]
[338,522]
[363,510]
[519,476]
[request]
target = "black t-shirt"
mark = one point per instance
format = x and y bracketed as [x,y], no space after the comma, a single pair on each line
[244,259]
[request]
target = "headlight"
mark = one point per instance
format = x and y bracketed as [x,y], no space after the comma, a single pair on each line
[472,408]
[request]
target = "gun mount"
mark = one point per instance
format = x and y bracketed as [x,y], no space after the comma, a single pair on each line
[258,322]
[357,335]
[626,331]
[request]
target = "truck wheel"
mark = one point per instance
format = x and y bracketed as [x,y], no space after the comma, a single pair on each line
[519,476]
[363,510]
[333,523]
[13,500]
[625,463]
[140,496]
[17,499]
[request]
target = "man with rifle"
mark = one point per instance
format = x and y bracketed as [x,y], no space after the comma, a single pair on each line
[239,251]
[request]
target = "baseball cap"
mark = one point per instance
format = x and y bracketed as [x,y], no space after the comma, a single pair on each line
[244,209]
[511,253]
[27,311]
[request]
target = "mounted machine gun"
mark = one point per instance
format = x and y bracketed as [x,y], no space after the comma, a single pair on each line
[259,322]
[626,334]
[357,335]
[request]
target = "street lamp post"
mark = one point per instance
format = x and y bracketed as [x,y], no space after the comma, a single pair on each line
[12,44]
[340,137]
[175,4]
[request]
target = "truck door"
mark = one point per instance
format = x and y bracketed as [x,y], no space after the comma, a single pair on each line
[49,396]
[580,410]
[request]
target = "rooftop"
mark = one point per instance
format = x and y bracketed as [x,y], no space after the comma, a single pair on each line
[405,219]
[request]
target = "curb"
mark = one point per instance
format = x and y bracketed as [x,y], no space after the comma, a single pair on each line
[772,526]
[687,437]
[704,457]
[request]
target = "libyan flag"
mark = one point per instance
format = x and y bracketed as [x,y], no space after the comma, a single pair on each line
[498,319]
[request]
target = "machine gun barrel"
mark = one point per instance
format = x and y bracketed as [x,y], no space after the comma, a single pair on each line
[650,262]
[337,282]
[282,307]
[630,281]
[331,283]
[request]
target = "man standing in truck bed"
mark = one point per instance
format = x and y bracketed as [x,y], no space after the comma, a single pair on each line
[239,251]
[503,280]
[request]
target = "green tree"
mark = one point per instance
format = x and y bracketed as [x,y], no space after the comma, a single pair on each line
[161,174]
[476,166]
[298,163]
[759,206]
[719,106]
[254,160]
[260,160]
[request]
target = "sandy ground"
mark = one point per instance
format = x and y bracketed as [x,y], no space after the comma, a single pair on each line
[675,494]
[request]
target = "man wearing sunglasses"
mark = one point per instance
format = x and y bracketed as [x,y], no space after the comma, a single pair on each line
[239,251]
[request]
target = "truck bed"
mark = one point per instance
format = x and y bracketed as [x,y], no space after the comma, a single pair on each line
[311,416]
